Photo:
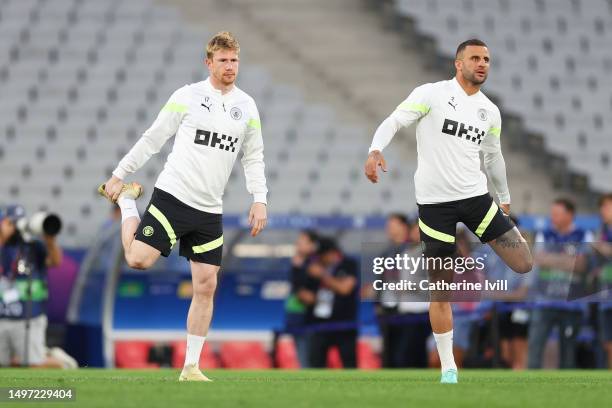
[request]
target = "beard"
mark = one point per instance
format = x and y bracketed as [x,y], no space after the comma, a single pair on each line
[471,76]
[227,80]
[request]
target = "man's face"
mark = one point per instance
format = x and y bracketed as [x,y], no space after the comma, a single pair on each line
[7,229]
[396,231]
[606,211]
[560,217]
[304,246]
[328,258]
[473,64]
[223,66]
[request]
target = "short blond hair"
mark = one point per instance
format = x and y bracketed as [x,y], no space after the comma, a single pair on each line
[223,40]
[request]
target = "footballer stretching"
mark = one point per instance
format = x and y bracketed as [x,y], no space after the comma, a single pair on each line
[213,121]
[455,122]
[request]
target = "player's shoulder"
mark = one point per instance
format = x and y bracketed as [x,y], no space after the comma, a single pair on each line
[183,92]
[242,96]
[429,87]
[434,89]
[489,103]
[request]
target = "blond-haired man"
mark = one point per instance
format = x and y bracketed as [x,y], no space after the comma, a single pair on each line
[213,120]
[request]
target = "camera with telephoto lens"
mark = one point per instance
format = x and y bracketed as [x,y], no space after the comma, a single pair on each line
[41,223]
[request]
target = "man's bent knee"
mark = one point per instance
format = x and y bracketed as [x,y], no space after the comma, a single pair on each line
[139,261]
[525,266]
[524,263]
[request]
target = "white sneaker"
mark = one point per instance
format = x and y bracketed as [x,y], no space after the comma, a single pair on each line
[67,360]
[192,373]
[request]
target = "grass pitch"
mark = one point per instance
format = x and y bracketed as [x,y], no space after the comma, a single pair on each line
[319,388]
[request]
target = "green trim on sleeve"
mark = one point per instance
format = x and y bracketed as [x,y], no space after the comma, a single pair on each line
[495,131]
[254,124]
[175,107]
[414,107]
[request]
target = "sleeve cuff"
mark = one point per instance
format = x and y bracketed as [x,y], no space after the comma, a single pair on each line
[120,173]
[504,198]
[260,198]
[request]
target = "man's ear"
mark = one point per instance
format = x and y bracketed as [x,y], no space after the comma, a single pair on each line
[458,64]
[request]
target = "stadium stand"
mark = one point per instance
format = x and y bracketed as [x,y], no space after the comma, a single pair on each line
[547,67]
[285,355]
[133,354]
[81,84]
[244,354]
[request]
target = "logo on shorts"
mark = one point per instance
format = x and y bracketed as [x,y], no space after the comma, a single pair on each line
[482,114]
[148,231]
[236,113]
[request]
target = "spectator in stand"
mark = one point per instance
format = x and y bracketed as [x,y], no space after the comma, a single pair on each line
[560,258]
[305,248]
[603,254]
[331,294]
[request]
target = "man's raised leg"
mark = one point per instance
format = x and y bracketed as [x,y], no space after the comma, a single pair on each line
[513,249]
[204,280]
[138,255]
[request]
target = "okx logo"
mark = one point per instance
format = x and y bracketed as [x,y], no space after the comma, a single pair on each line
[214,139]
[463,131]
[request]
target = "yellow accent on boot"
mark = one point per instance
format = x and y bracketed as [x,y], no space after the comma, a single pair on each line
[102,191]
[192,373]
[131,190]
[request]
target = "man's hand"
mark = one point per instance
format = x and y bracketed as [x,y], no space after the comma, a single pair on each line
[505,208]
[113,187]
[375,159]
[316,270]
[54,252]
[257,218]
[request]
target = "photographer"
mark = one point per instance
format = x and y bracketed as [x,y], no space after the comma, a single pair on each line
[23,277]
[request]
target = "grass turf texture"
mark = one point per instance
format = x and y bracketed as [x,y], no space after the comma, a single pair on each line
[275,388]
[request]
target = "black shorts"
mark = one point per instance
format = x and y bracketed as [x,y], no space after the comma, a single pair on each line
[168,220]
[508,329]
[438,222]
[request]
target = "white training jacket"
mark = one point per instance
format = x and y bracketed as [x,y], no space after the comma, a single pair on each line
[210,129]
[453,128]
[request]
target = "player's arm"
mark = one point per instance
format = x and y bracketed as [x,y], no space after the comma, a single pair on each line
[545,258]
[342,285]
[253,164]
[494,163]
[412,109]
[307,297]
[163,128]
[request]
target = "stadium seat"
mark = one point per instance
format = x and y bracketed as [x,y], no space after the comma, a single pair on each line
[244,355]
[133,354]
[286,354]
[333,358]
[367,359]
[208,358]
[566,88]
